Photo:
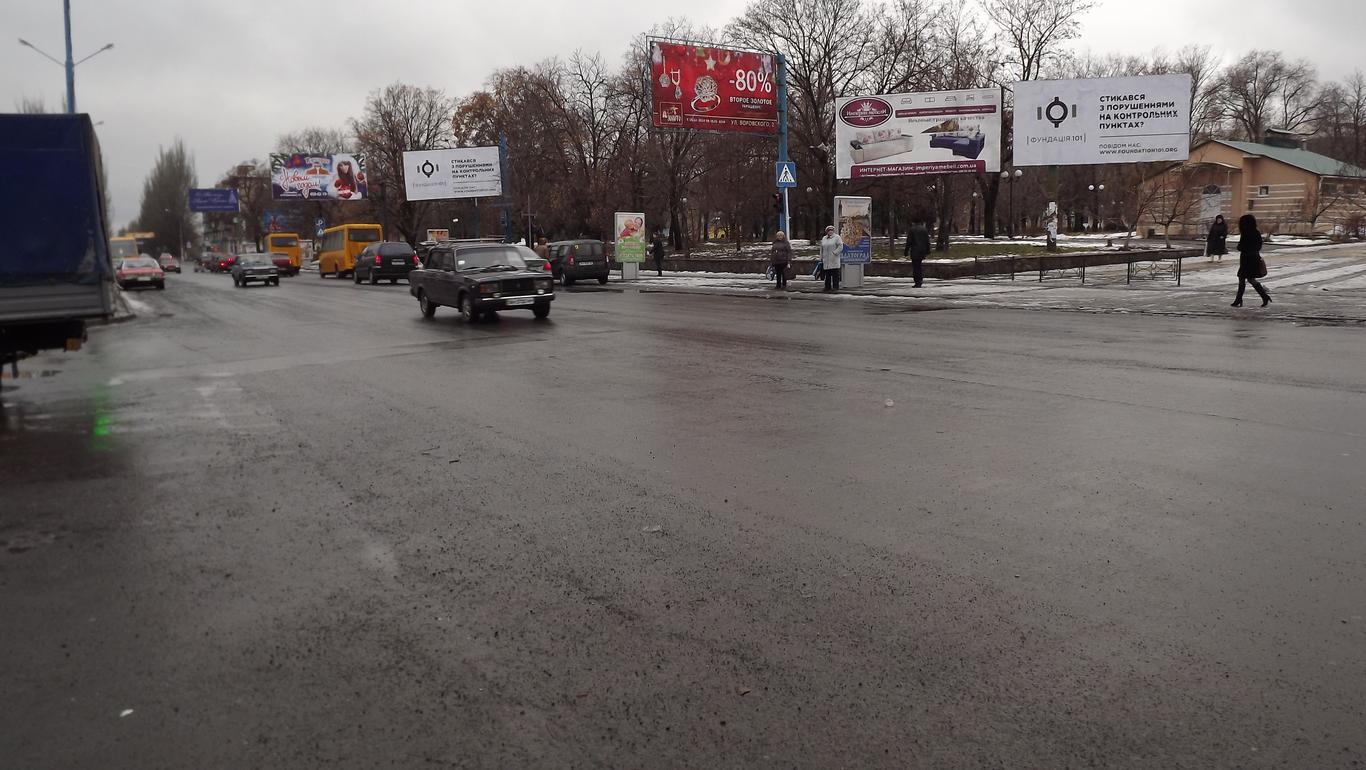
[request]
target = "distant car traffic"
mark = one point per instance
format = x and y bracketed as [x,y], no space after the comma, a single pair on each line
[142,272]
[480,279]
[386,259]
[254,267]
[283,263]
[169,264]
[579,260]
[220,262]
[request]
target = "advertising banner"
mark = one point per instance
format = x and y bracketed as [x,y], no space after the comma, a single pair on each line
[213,199]
[465,172]
[630,230]
[438,234]
[854,223]
[304,177]
[713,89]
[937,132]
[1102,120]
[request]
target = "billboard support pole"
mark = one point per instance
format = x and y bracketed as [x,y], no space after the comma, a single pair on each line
[507,200]
[1051,226]
[782,136]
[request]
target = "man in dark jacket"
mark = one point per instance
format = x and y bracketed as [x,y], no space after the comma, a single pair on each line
[657,251]
[917,248]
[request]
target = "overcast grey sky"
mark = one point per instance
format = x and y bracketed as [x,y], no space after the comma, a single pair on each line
[230,77]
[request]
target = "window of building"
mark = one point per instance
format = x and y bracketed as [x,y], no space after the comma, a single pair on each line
[1263,191]
[1330,189]
[1251,203]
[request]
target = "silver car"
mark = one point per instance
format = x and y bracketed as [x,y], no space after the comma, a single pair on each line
[255,267]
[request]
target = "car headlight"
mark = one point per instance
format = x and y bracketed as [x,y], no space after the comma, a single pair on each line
[543,285]
[488,288]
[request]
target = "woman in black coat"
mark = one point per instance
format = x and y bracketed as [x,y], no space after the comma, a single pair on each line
[1249,259]
[1216,243]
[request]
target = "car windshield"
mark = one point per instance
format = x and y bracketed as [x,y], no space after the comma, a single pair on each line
[364,235]
[396,250]
[284,241]
[254,260]
[489,257]
[139,263]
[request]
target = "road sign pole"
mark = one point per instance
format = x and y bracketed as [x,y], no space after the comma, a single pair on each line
[782,132]
[507,200]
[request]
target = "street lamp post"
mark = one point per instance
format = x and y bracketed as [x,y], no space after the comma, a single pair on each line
[972,215]
[1096,190]
[69,65]
[687,248]
[1012,179]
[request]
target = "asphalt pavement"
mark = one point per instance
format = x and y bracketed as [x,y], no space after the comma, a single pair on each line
[304,527]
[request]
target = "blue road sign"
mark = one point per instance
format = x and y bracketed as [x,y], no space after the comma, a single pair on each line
[785,172]
[319,225]
[213,199]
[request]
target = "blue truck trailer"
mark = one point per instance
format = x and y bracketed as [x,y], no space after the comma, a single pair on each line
[55,269]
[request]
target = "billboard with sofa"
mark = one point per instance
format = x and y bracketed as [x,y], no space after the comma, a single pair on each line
[937,132]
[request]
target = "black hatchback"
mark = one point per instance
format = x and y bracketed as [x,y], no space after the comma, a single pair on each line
[580,260]
[385,259]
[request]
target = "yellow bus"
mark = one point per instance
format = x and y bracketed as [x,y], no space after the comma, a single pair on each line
[288,244]
[341,244]
[121,246]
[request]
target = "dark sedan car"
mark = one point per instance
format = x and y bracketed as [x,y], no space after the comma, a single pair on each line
[481,278]
[255,267]
[386,259]
[572,261]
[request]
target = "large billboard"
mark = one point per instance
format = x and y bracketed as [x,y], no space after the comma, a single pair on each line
[630,230]
[1102,120]
[465,172]
[713,89]
[937,132]
[305,177]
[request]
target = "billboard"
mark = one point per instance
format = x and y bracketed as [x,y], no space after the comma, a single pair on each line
[465,172]
[937,132]
[854,223]
[1102,120]
[304,177]
[213,199]
[630,230]
[713,89]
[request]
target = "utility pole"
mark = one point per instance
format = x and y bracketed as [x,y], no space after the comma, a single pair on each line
[70,62]
[782,135]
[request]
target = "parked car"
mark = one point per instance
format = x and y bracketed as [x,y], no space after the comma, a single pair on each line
[169,264]
[572,261]
[283,263]
[481,278]
[255,267]
[140,271]
[386,259]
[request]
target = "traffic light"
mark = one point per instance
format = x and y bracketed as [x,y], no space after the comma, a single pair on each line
[777,203]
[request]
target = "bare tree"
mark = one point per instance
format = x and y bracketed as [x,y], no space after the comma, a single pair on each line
[1203,67]
[398,118]
[1263,88]
[165,205]
[1034,30]
[1175,198]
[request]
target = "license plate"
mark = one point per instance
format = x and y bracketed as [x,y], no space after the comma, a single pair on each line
[587,264]
[143,278]
[398,262]
[515,301]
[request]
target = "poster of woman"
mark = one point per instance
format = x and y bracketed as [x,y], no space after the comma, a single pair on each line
[630,230]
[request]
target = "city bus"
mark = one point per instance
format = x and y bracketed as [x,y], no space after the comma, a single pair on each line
[287,244]
[121,246]
[341,244]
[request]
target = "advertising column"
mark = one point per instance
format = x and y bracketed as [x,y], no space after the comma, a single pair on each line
[854,223]
[629,227]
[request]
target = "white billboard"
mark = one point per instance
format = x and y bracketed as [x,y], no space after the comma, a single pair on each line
[466,172]
[1102,120]
[938,132]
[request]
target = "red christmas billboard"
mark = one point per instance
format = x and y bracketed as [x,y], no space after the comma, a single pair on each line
[713,89]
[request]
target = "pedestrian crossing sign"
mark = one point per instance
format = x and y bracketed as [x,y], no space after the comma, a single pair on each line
[786,173]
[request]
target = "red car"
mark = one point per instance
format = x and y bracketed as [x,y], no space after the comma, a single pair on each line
[139,271]
[221,263]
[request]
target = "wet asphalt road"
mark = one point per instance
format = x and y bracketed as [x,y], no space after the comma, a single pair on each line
[302,527]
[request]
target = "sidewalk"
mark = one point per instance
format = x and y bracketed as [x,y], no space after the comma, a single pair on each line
[1318,284]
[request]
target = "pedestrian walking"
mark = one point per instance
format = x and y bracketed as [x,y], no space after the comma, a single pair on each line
[780,257]
[1250,263]
[917,248]
[657,251]
[831,248]
[542,250]
[1216,243]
